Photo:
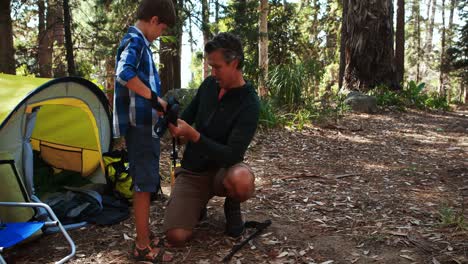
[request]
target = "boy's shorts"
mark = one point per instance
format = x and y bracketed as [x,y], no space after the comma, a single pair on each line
[143,157]
[191,193]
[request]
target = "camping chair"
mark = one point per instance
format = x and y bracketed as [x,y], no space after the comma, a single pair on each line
[13,233]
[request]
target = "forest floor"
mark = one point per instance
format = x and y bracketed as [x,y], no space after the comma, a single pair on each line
[383,188]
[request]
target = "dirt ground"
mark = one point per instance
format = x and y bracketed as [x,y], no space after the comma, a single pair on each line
[383,188]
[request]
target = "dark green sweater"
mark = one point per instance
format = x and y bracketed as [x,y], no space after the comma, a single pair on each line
[226,126]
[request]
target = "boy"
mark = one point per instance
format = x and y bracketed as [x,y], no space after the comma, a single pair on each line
[137,105]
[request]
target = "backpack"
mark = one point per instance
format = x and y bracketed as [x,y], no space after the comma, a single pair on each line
[116,171]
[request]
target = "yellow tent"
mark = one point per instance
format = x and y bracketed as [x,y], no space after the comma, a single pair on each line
[67,120]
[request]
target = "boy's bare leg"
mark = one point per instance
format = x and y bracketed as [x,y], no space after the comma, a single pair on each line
[141,210]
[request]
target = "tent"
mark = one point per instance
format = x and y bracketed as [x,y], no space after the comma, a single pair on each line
[66,120]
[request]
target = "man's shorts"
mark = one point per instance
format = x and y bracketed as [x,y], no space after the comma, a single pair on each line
[143,157]
[191,193]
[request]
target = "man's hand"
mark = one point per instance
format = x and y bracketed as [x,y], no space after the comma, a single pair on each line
[184,130]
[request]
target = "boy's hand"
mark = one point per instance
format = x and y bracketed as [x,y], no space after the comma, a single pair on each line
[184,130]
[158,103]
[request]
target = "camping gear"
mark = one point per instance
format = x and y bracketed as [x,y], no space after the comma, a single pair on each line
[66,120]
[259,226]
[116,171]
[14,233]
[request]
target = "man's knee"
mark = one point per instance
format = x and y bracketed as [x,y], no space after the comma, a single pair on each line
[240,183]
[178,237]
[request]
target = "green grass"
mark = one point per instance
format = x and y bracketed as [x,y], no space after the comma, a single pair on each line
[13,89]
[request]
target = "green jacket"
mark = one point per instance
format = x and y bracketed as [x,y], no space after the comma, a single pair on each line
[226,126]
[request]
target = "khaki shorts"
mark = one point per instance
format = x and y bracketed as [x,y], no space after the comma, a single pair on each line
[191,193]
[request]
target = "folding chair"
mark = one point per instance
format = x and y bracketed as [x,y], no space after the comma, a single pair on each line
[13,233]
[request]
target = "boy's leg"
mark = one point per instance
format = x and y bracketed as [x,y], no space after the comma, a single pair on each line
[141,210]
[143,155]
[190,194]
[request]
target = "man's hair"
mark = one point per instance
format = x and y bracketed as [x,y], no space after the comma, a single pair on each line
[229,44]
[163,9]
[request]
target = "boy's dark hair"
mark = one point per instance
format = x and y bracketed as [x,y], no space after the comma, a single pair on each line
[229,44]
[163,9]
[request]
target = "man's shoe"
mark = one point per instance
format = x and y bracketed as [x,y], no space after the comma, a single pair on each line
[234,223]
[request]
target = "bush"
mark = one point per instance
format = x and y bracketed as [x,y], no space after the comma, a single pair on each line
[412,96]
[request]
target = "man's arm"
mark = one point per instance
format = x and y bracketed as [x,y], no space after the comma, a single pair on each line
[238,141]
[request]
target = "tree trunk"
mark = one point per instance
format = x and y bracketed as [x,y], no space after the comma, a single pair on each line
[59,68]
[206,34]
[44,53]
[7,51]
[400,42]
[342,44]
[369,45]
[263,49]
[430,28]
[68,39]
[169,56]
[417,12]
[110,79]
[442,88]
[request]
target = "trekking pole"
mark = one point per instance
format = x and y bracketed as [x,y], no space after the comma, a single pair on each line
[172,115]
[260,226]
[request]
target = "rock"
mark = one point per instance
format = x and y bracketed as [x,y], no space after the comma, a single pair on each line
[361,103]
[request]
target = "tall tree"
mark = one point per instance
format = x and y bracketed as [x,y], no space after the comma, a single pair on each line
[59,68]
[263,48]
[369,45]
[7,51]
[45,41]
[430,27]
[206,33]
[68,39]
[400,42]
[417,13]
[343,38]
[170,50]
[442,88]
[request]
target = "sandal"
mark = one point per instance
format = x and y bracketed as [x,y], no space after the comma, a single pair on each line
[153,252]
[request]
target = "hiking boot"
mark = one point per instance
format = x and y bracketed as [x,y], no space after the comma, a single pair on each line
[234,223]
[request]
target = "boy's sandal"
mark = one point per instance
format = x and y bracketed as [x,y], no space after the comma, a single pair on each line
[154,252]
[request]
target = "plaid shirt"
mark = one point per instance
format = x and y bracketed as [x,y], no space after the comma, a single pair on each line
[134,58]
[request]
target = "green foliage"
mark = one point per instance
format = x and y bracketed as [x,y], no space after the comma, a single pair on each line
[196,69]
[449,218]
[289,84]
[268,117]
[412,96]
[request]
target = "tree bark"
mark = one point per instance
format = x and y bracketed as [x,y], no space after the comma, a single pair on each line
[44,53]
[59,68]
[263,49]
[369,45]
[68,39]
[417,12]
[400,42]
[430,28]
[206,34]
[7,50]
[169,55]
[442,88]
[342,44]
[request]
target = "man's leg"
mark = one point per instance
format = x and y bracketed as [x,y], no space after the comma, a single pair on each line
[190,194]
[141,210]
[239,184]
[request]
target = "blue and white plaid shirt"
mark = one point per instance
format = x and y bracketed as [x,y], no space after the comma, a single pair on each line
[134,58]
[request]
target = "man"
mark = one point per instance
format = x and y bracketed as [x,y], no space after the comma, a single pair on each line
[224,114]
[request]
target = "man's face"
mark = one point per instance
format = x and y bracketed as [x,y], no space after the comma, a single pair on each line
[222,71]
